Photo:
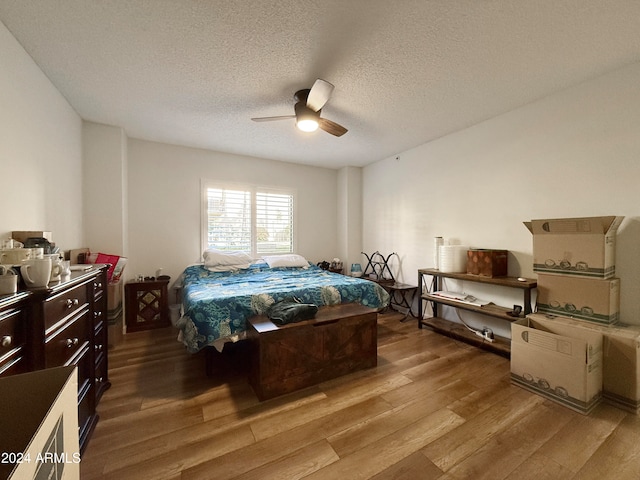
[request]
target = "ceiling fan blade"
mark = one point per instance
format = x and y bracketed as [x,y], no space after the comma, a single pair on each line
[271,119]
[319,94]
[332,127]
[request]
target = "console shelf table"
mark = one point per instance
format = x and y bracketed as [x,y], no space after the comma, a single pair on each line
[500,345]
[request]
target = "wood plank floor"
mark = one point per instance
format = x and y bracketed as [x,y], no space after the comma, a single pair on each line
[433,408]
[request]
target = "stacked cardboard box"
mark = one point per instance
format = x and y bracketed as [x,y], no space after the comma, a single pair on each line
[558,362]
[589,299]
[620,357]
[582,247]
[575,262]
[578,294]
[115,313]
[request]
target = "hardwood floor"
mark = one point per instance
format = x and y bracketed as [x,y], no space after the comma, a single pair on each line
[433,408]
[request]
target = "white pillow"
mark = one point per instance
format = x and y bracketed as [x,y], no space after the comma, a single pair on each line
[290,260]
[221,261]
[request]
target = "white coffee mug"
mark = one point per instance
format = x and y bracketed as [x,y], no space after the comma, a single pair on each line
[36,272]
[8,283]
[56,266]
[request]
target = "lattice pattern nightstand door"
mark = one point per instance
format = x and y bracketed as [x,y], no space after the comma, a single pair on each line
[147,305]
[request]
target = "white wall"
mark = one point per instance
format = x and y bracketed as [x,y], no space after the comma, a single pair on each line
[573,154]
[349,229]
[164,202]
[40,151]
[105,188]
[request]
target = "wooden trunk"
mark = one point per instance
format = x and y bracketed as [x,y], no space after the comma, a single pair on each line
[340,339]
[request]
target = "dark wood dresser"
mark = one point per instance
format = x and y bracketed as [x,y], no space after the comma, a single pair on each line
[61,325]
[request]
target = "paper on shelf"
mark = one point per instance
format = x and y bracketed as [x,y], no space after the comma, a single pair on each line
[461,297]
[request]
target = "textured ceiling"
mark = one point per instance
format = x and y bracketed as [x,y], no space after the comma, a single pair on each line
[406,72]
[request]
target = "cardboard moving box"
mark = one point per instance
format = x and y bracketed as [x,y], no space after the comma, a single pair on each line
[115,314]
[23,235]
[575,246]
[560,363]
[589,299]
[620,359]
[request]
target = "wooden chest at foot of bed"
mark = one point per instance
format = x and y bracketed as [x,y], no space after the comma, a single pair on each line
[340,339]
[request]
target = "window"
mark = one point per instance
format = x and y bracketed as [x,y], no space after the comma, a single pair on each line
[251,219]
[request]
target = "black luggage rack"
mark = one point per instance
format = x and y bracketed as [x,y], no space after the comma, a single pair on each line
[402,294]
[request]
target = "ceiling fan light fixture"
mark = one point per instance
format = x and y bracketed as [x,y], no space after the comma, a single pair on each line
[306,119]
[309,103]
[307,124]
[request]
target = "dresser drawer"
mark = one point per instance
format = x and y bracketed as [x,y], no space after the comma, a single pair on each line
[98,288]
[85,411]
[13,339]
[62,345]
[100,355]
[101,379]
[60,307]
[86,389]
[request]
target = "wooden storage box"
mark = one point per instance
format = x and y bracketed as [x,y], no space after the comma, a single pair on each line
[488,263]
[339,340]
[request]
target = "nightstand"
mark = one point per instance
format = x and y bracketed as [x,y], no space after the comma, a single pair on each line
[147,305]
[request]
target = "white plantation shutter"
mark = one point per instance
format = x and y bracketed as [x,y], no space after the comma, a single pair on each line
[228,219]
[274,222]
[253,220]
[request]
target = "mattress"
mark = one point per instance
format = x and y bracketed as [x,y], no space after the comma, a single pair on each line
[216,305]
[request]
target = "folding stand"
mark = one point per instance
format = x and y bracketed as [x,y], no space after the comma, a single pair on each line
[377,270]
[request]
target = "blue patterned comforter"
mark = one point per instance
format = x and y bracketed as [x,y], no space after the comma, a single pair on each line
[216,305]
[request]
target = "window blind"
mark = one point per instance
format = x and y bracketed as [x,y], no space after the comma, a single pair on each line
[252,220]
[274,223]
[229,219]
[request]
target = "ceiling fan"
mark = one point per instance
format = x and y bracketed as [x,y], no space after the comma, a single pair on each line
[307,109]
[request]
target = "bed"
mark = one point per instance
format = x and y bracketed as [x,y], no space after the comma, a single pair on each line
[217,301]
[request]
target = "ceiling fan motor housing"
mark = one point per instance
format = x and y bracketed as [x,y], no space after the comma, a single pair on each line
[302,111]
[302,95]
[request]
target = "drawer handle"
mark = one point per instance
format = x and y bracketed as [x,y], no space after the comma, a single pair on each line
[98,285]
[71,342]
[97,314]
[7,341]
[72,303]
[98,347]
[99,379]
